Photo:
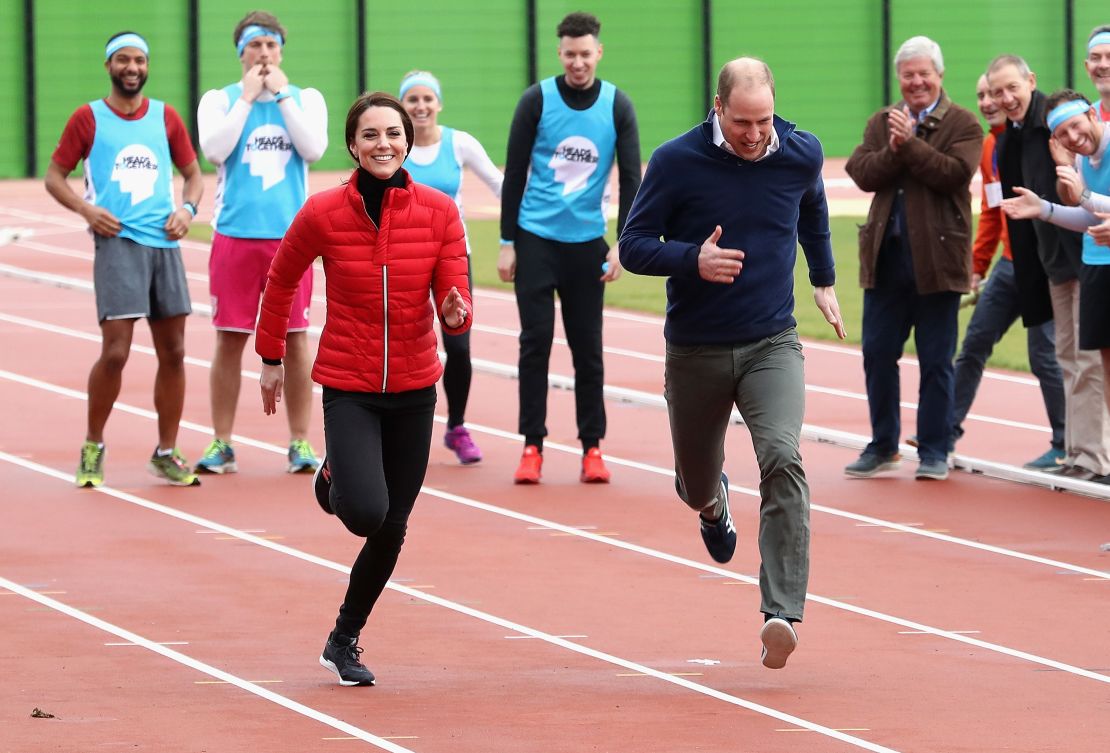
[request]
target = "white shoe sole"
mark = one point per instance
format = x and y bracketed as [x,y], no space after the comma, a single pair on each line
[335,670]
[779,641]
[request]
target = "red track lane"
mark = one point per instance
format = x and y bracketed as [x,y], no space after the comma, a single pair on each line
[456,682]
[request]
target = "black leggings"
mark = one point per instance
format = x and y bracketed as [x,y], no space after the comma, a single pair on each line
[457,371]
[377,445]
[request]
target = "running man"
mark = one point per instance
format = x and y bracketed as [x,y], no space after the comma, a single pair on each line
[262,132]
[565,133]
[127,142]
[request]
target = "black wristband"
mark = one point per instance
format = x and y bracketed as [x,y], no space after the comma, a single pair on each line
[272,361]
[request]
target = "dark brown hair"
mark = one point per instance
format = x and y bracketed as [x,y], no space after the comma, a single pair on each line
[377,99]
[1061,96]
[259,18]
[579,25]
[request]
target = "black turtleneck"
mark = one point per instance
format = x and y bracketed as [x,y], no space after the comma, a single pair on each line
[373,191]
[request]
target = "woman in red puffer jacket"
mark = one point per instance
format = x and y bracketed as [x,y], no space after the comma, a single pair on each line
[385,242]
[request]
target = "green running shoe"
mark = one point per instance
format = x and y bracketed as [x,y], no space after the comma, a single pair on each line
[172,468]
[90,472]
[302,458]
[218,458]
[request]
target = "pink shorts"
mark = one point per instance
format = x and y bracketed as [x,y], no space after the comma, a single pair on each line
[237,270]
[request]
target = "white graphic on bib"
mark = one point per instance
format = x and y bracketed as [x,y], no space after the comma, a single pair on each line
[136,170]
[268,150]
[574,161]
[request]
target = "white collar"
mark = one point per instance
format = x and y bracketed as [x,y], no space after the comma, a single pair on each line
[720,141]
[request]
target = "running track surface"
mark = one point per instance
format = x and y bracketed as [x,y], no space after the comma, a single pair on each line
[970,615]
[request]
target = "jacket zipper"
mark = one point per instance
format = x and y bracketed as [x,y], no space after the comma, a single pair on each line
[385,307]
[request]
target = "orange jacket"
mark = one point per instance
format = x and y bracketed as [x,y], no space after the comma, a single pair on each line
[992,225]
[378,334]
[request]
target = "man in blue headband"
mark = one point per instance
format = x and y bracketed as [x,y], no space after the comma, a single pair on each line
[128,143]
[1097,63]
[1048,262]
[262,133]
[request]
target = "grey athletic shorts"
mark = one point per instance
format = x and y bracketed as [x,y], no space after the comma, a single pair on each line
[133,281]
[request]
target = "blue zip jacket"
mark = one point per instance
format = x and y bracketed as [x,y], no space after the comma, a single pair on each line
[764,209]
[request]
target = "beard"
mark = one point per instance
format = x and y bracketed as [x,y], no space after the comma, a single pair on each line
[128,90]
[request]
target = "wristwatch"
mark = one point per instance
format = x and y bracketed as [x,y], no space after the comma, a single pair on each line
[191,207]
[282,93]
[1085,195]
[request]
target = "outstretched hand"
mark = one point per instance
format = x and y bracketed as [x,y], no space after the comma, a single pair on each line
[716,264]
[825,298]
[1026,205]
[454,309]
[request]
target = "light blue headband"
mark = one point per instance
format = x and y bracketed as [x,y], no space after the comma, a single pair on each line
[125,40]
[254,30]
[1068,109]
[1103,37]
[421,79]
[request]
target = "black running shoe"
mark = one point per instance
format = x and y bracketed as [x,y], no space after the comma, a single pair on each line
[341,656]
[321,484]
[719,536]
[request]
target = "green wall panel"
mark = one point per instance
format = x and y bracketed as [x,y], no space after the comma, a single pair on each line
[826,57]
[320,53]
[13,138]
[652,51]
[70,39]
[478,51]
[971,34]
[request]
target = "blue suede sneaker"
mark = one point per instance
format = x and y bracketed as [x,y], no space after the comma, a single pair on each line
[720,535]
[868,465]
[1050,462]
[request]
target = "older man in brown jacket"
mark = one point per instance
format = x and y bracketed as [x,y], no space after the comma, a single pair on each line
[918,156]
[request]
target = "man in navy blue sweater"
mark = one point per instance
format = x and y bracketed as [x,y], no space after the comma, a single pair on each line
[721,212]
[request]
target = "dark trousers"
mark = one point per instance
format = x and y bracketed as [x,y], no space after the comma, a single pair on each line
[573,270]
[890,310]
[997,310]
[457,370]
[377,447]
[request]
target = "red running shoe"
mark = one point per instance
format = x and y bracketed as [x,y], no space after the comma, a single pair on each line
[528,472]
[593,468]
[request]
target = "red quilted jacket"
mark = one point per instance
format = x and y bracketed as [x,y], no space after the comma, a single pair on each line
[378,334]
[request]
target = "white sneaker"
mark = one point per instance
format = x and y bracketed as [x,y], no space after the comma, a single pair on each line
[779,641]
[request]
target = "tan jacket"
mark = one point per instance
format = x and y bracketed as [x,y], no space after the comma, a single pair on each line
[933,171]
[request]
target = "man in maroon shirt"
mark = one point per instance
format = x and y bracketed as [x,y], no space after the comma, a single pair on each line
[127,142]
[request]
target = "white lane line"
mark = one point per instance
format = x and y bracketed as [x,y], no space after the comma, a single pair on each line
[809,432]
[910,528]
[635,548]
[207,669]
[509,625]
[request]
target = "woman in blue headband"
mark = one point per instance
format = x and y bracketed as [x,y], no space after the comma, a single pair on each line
[437,158]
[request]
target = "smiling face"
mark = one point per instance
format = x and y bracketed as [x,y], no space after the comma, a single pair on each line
[992,113]
[920,82]
[1080,134]
[579,56]
[747,119]
[1012,91]
[422,105]
[379,142]
[1098,68]
[127,68]
[264,50]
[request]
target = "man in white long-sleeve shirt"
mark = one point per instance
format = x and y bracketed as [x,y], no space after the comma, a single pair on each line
[262,133]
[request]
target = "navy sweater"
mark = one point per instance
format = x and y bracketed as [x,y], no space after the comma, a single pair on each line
[764,209]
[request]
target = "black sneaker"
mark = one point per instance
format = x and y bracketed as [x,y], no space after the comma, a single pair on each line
[720,535]
[321,484]
[342,658]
